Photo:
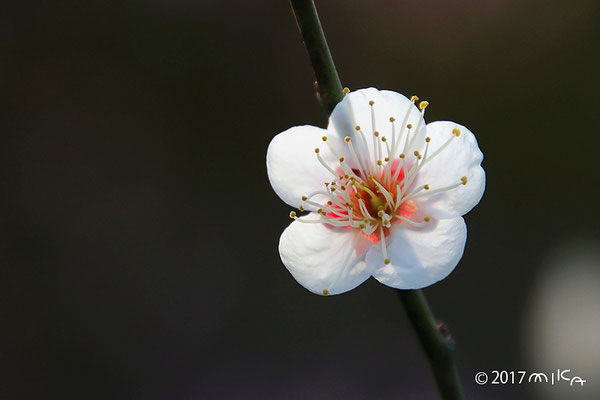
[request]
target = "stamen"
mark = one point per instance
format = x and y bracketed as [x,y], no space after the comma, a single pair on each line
[414,192]
[304,220]
[368,161]
[363,209]
[399,168]
[324,164]
[392,119]
[399,199]
[358,160]
[339,214]
[444,189]
[423,105]
[406,139]
[314,203]
[366,189]
[427,140]
[442,147]
[386,260]
[388,197]
[411,222]
[376,148]
[406,116]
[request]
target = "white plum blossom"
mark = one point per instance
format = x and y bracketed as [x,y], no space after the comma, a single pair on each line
[384,194]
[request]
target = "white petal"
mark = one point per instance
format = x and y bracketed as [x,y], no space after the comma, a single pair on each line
[355,110]
[420,257]
[293,168]
[321,257]
[461,157]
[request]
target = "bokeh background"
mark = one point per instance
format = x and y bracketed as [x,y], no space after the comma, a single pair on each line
[138,230]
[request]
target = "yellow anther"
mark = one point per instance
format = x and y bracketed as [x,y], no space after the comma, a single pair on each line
[426,187]
[320,210]
[325,291]
[357,127]
[332,189]
[383,139]
[324,138]
[317,150]
[428,139]
[347,139]
[386,159]
[301,208]
[304,198]
[371,102]
[416,153]
[426,219]
[329,202]
[380,213]
[392,119]
[463,180]
[456,132]
[409,126]
[376,133]
[386,261]
[362,226]
[346,90]
[423,105]
[341,160]
[414,98]
[371,177]
[343,187]
[401,155]
[379,162]
[292,214]
[346,176]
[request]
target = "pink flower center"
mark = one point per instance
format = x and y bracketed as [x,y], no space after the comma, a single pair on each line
[366,201]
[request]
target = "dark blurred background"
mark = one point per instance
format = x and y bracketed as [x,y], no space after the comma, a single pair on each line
[138,230]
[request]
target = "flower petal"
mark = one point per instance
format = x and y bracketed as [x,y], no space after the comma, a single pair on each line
[355,110]
[293,168]
[460,158]
[419,257]
[324,259]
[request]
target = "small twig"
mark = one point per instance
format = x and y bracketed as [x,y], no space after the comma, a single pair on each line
[436,341]
[328,82]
